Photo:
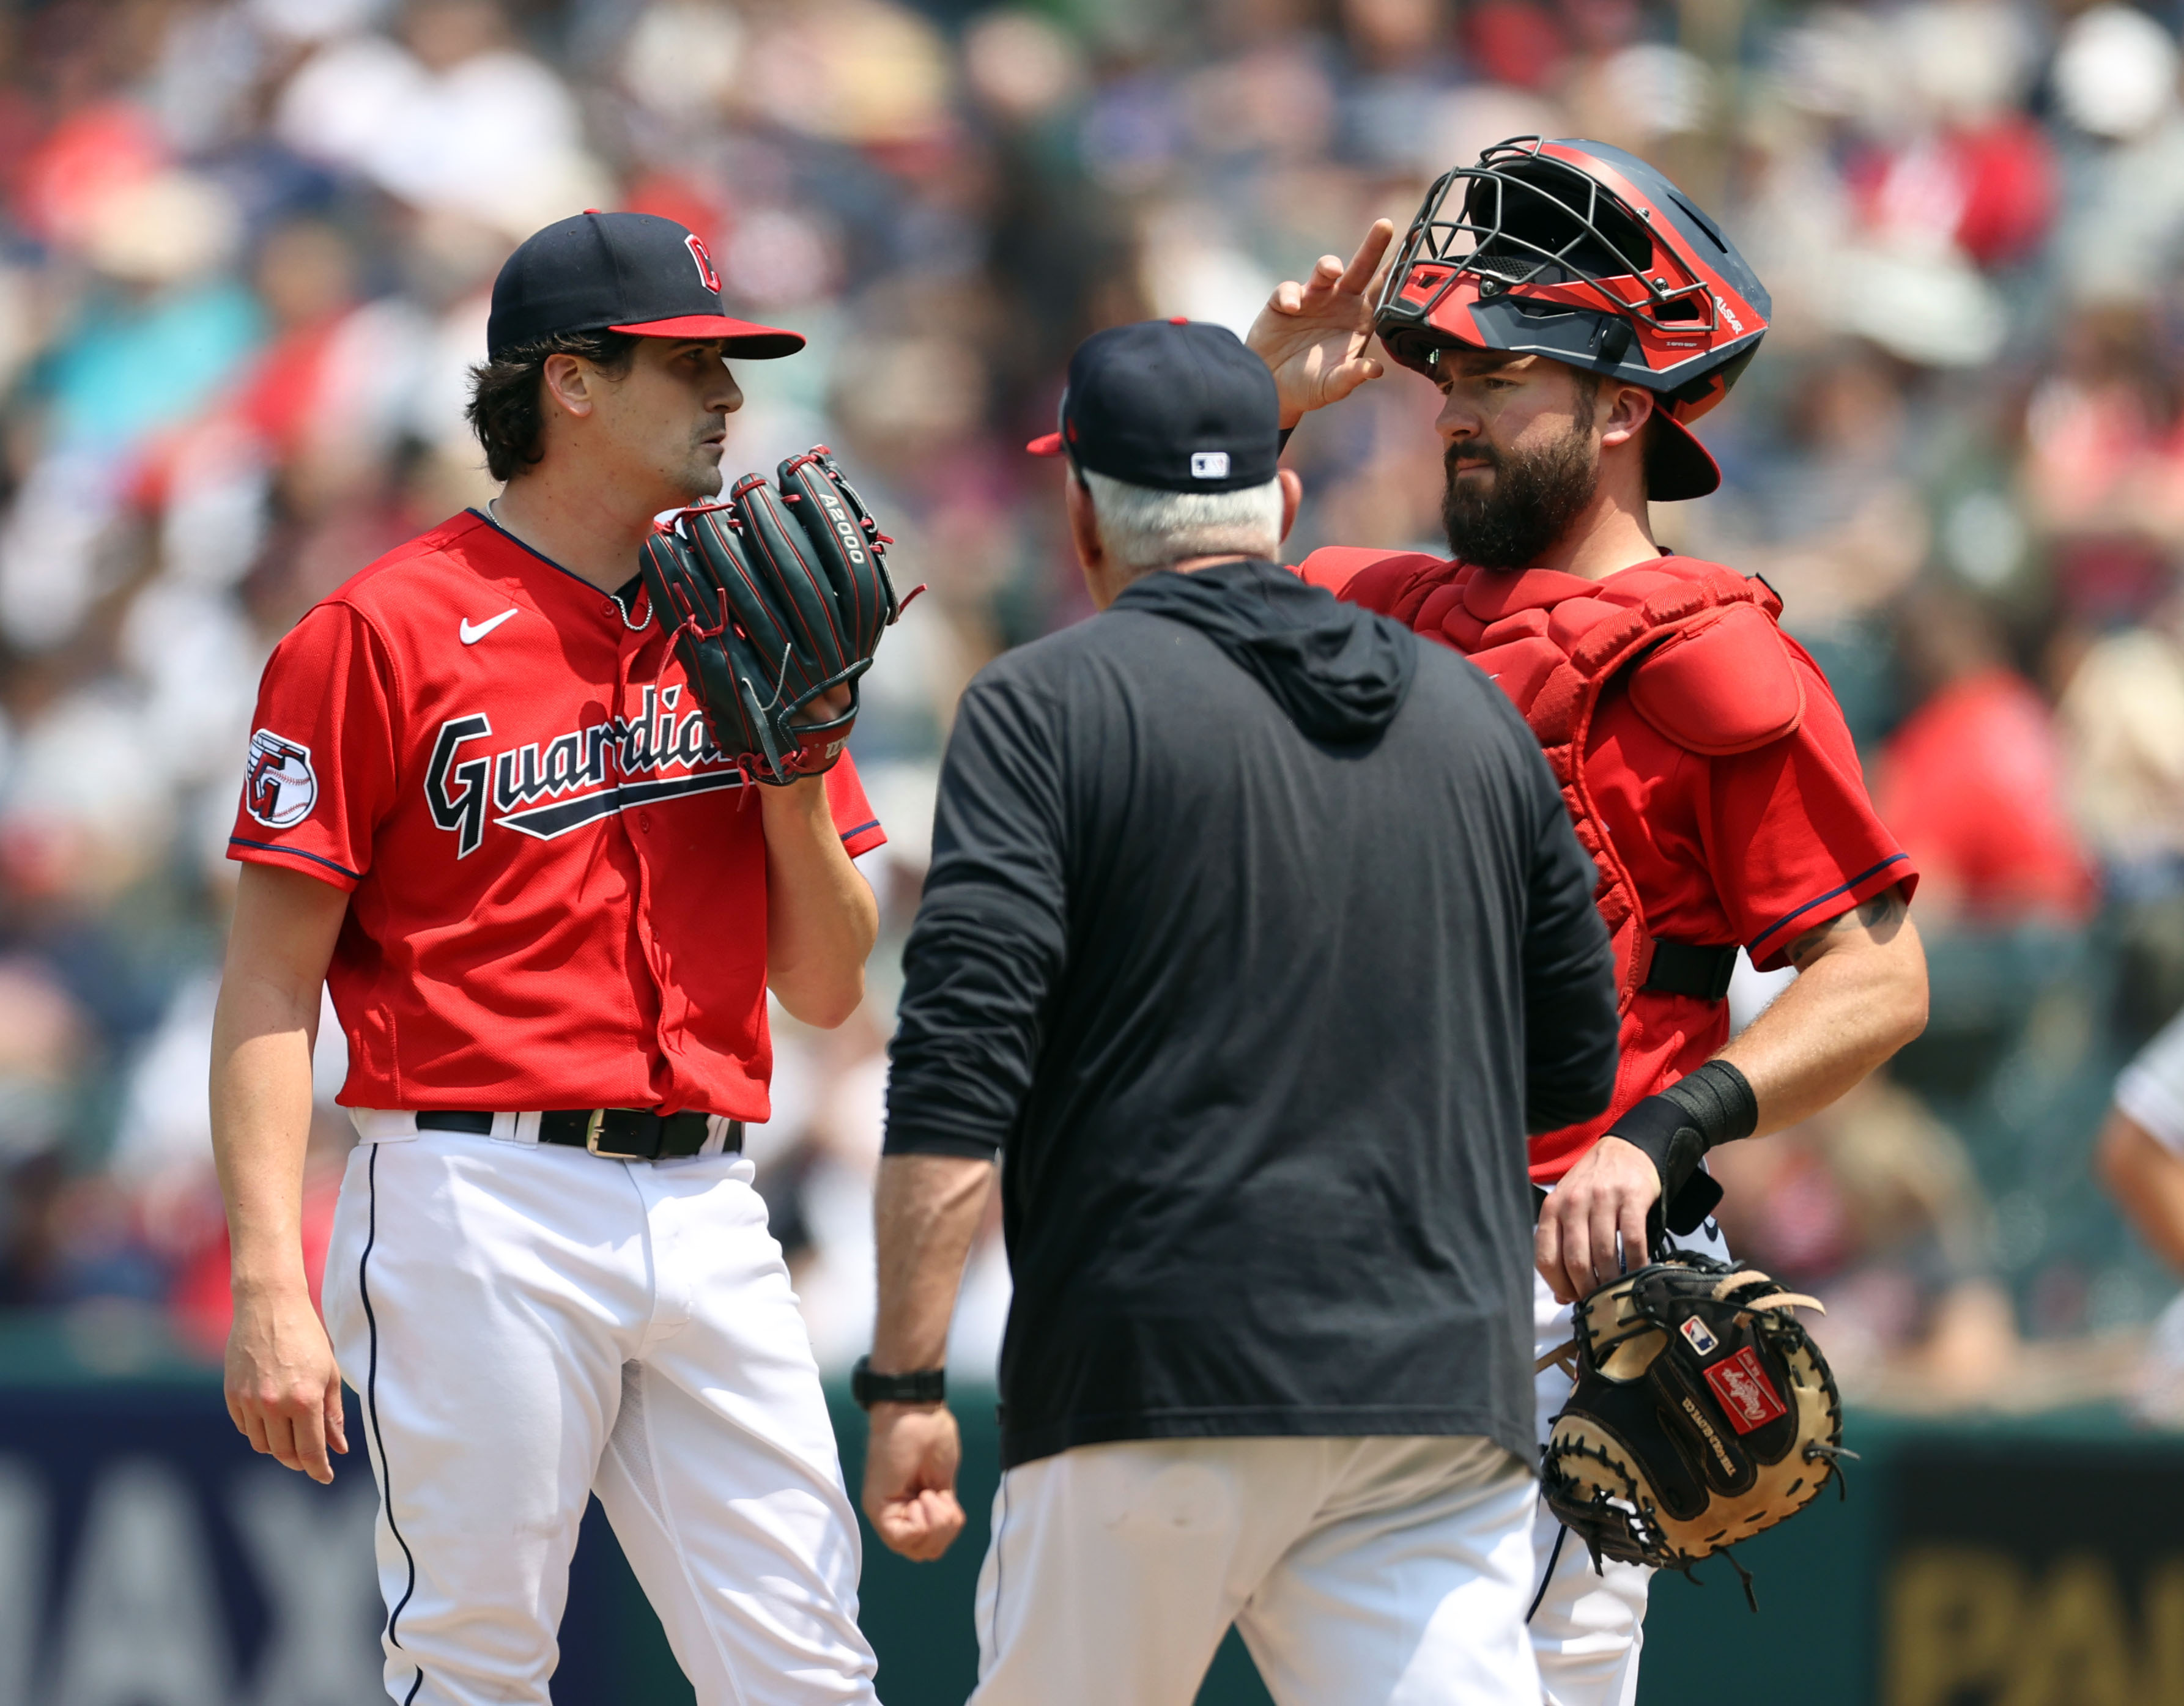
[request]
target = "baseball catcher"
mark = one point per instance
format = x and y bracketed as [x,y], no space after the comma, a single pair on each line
[1577,312]
[1702,1414]
[778,597]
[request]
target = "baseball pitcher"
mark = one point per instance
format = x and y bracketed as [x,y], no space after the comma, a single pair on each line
[500,800]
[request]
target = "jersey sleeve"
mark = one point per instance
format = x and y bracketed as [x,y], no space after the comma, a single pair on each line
[854,819]
[321,772]
[2151,1091]
[1794,840]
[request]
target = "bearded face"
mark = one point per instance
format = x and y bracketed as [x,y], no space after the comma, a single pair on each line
[1506,514]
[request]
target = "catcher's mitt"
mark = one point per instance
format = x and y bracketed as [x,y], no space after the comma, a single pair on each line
[774,597]
[1702,1414]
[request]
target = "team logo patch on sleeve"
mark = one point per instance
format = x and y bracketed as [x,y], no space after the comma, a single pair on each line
[1745,1391]
[280,787]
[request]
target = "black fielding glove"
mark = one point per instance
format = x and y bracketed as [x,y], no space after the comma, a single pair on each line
[775,597]
[1714,1105]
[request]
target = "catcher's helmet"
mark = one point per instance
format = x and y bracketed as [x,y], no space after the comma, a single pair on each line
[1580,252]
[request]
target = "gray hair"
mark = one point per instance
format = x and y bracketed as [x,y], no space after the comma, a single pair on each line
[1145,529]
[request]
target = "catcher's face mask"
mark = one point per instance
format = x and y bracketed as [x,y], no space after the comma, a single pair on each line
[1583,253]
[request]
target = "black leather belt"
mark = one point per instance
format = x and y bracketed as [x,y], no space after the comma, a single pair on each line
[1693,968]
[628,1134]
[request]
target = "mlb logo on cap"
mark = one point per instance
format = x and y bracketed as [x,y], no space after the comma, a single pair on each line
[1209,464]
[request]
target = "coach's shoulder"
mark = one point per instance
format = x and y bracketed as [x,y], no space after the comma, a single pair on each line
[1049,663]
[1452,690]
[1447,674]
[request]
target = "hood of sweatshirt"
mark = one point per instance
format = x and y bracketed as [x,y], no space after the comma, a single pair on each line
[1339,671]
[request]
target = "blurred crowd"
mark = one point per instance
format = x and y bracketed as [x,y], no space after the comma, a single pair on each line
[245,251]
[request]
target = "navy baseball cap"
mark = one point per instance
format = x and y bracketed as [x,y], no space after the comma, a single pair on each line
[618,272]
[1179,405]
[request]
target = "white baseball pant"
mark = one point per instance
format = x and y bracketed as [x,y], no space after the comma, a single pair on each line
[526,1324]
[1389,1571]
[1588,1627]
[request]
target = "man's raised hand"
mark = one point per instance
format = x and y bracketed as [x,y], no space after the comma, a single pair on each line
[1313,335]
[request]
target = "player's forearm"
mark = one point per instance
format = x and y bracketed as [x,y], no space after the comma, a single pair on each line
[2147,1181]
[821,917]
[926,1211]
[261,1122]
[1851,1008]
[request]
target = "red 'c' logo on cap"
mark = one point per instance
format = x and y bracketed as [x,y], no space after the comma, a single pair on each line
[710,279]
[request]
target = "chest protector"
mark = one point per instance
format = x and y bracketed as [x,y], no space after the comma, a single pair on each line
[1693,645]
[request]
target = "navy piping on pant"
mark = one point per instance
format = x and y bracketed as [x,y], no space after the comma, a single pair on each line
[1001,1528]
[371,1408]
[1554,1557]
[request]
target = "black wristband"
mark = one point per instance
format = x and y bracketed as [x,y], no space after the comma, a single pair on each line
[1714,1105]
[1721,1102]
[922,1386]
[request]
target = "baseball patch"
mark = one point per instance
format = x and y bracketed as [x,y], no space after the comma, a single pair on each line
[1745,1391]
[1704,1342]
[280,787]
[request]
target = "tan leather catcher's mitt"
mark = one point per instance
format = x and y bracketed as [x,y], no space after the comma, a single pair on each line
[1702,1414]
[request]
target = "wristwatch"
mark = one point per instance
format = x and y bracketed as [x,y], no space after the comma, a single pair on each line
[924,1387]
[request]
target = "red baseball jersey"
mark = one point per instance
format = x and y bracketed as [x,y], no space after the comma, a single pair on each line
[557,882]
[1756,848]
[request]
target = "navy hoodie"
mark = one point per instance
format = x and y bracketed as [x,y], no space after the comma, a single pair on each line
[1255,940]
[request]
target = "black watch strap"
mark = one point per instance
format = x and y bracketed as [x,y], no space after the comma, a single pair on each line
[923,1386]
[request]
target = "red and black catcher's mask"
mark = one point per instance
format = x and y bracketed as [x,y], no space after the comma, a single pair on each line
[1583,254]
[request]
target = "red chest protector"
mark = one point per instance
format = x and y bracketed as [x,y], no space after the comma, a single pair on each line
[1695,646]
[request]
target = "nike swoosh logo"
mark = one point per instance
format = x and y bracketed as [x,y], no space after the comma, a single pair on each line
[472,633]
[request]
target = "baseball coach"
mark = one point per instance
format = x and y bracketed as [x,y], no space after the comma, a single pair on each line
[1256,939]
